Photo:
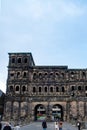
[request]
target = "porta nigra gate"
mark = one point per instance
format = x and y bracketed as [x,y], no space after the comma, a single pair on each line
[38,92]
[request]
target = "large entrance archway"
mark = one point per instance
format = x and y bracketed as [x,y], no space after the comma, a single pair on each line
[57,112]
[40,112]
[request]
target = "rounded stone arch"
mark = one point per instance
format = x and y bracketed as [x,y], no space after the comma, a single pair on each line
[39,112]
[57,112]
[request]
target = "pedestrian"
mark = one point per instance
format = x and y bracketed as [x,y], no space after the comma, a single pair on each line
[56,126]
[44,125]
[0,125]
[7,127]
[60,125]
[17,127]
[78,125]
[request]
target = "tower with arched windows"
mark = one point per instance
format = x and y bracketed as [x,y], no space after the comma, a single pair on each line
[37,92]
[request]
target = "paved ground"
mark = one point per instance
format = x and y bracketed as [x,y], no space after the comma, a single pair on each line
[37,126]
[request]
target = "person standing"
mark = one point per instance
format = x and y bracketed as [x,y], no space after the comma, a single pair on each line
[78,125]
[17,127]
[56,126]
[60,125]
[7,127]
[44,125]
[0,125]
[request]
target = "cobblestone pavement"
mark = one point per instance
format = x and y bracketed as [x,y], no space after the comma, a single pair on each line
[37,126]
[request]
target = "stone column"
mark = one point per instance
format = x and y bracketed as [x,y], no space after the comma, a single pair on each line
[68,111]
[77,110]
[19,111]
[85,111]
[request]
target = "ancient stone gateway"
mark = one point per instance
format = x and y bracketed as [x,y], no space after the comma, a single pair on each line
[38,92]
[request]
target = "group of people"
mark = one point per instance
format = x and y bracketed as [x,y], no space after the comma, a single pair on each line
[58,125]
[7,126]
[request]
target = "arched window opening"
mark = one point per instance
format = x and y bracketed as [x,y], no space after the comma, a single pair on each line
[63,90]
[72,88]
[62,74]
[57,89]
[25,60]
[13,60]
[45,89]
[18,74]
[57,74]
[85,87]
[19,60]
[34,76]
[51,75]
[17,88]
[23,88]
[72,74]
[34,89]
[40,75]
[25,74]
[83,74]
[79,88]
[39,89]
[51,89]
[12,75]
[45,74]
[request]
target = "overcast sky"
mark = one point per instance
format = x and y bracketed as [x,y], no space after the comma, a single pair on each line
[54,31]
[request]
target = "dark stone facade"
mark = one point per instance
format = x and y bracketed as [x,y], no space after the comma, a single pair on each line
[38,92]
[2,96]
